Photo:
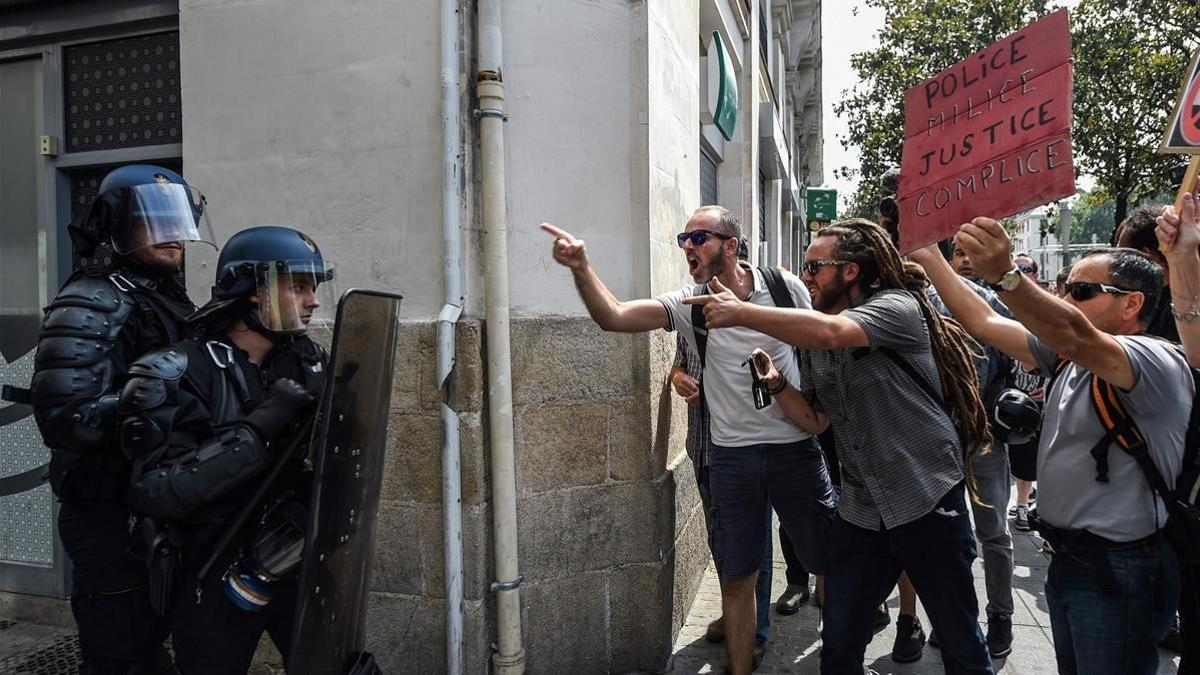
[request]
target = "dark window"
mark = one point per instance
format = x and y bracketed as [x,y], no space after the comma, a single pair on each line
[708,180]
[762,207]
[764,37]
[122,93]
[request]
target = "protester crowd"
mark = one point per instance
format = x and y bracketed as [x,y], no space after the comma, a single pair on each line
[882,406]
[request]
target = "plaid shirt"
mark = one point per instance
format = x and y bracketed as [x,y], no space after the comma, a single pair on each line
[698,440]
[898,449]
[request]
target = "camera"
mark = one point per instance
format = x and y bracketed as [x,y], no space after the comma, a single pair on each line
[889,208]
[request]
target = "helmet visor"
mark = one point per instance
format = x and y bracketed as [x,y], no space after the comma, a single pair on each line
[295,296]
[163,213]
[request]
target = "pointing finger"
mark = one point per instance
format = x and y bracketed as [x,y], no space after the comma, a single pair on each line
[698,300]
[557,232]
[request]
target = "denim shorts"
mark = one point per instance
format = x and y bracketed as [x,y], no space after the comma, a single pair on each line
[746,482]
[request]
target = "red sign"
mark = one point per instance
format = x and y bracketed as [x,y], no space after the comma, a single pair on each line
[990,135]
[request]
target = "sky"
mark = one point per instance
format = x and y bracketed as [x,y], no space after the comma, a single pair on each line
[842,34]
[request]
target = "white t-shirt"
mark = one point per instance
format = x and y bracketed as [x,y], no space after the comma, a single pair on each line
[733,420]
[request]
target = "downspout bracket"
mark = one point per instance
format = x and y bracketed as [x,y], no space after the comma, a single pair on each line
[513,585]
[490,112]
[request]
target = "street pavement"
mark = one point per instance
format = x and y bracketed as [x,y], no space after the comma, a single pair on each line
[795,640]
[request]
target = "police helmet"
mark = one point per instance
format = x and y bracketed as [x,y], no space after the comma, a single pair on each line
[141,205]
[279,270]
[1016,418]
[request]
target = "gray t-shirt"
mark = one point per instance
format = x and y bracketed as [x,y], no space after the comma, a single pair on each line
[898,448]
[1124,508]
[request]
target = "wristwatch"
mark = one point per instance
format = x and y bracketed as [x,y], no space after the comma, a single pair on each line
[1007,282]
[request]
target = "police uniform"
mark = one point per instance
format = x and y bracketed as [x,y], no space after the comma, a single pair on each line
[198,455]
[107,315]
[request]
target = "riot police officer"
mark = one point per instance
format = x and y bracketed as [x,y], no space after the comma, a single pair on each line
[126,298]
[214,426]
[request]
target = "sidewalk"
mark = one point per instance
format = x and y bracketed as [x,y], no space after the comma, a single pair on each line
[795,640]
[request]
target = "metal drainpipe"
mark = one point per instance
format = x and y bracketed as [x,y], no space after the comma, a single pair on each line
[509,656]
[451,310]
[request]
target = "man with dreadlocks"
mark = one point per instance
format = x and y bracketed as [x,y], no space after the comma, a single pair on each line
[1113,578]
[897,381]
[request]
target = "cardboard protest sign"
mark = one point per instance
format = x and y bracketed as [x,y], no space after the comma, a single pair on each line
[1183,131]
[990,135]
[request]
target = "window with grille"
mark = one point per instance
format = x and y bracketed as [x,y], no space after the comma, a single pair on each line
[122,93]
[708,180]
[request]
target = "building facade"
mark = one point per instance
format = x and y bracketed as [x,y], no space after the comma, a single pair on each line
[326,116]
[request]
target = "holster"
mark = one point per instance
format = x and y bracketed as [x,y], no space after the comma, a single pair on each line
[164,559]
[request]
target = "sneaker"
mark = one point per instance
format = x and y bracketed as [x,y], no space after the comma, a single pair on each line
[1173,642]
[999,636]
[1021,520]
[715,631]
[910,639]
[1012,510]
[791,599]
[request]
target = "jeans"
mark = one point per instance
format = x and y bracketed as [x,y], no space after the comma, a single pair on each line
[747,482]
[1099,633]
[936,550]
[1189,618]
[991,528]
[762,586]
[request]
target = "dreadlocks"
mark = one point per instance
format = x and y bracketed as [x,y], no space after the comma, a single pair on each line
[881,267]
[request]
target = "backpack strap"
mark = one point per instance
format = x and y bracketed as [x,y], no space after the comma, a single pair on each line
[1120,428]
[915,376]
[700,325]
[780,295]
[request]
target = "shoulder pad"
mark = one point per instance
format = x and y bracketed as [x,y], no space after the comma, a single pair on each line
[161,364]
[99,293]
[87,308]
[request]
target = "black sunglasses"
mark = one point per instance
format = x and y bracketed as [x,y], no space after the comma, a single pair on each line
[698,237]
[1026,269]
[813,266]
[1086,290]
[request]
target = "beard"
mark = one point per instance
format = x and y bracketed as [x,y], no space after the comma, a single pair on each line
[706,271]
[829,295]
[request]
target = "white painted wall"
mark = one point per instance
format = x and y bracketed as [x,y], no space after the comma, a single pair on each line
[324,116]
[575,81]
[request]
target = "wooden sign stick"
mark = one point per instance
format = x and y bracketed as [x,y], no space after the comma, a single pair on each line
[1188,185]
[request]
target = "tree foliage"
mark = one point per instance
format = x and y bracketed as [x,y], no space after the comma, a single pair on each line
[1129,58]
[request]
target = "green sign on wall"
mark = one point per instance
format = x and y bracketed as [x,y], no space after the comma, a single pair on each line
[721,70]
[822,204]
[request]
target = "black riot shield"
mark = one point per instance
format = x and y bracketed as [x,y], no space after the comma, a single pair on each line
[348,453]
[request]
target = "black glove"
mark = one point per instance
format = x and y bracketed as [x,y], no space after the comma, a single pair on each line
[286,401]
